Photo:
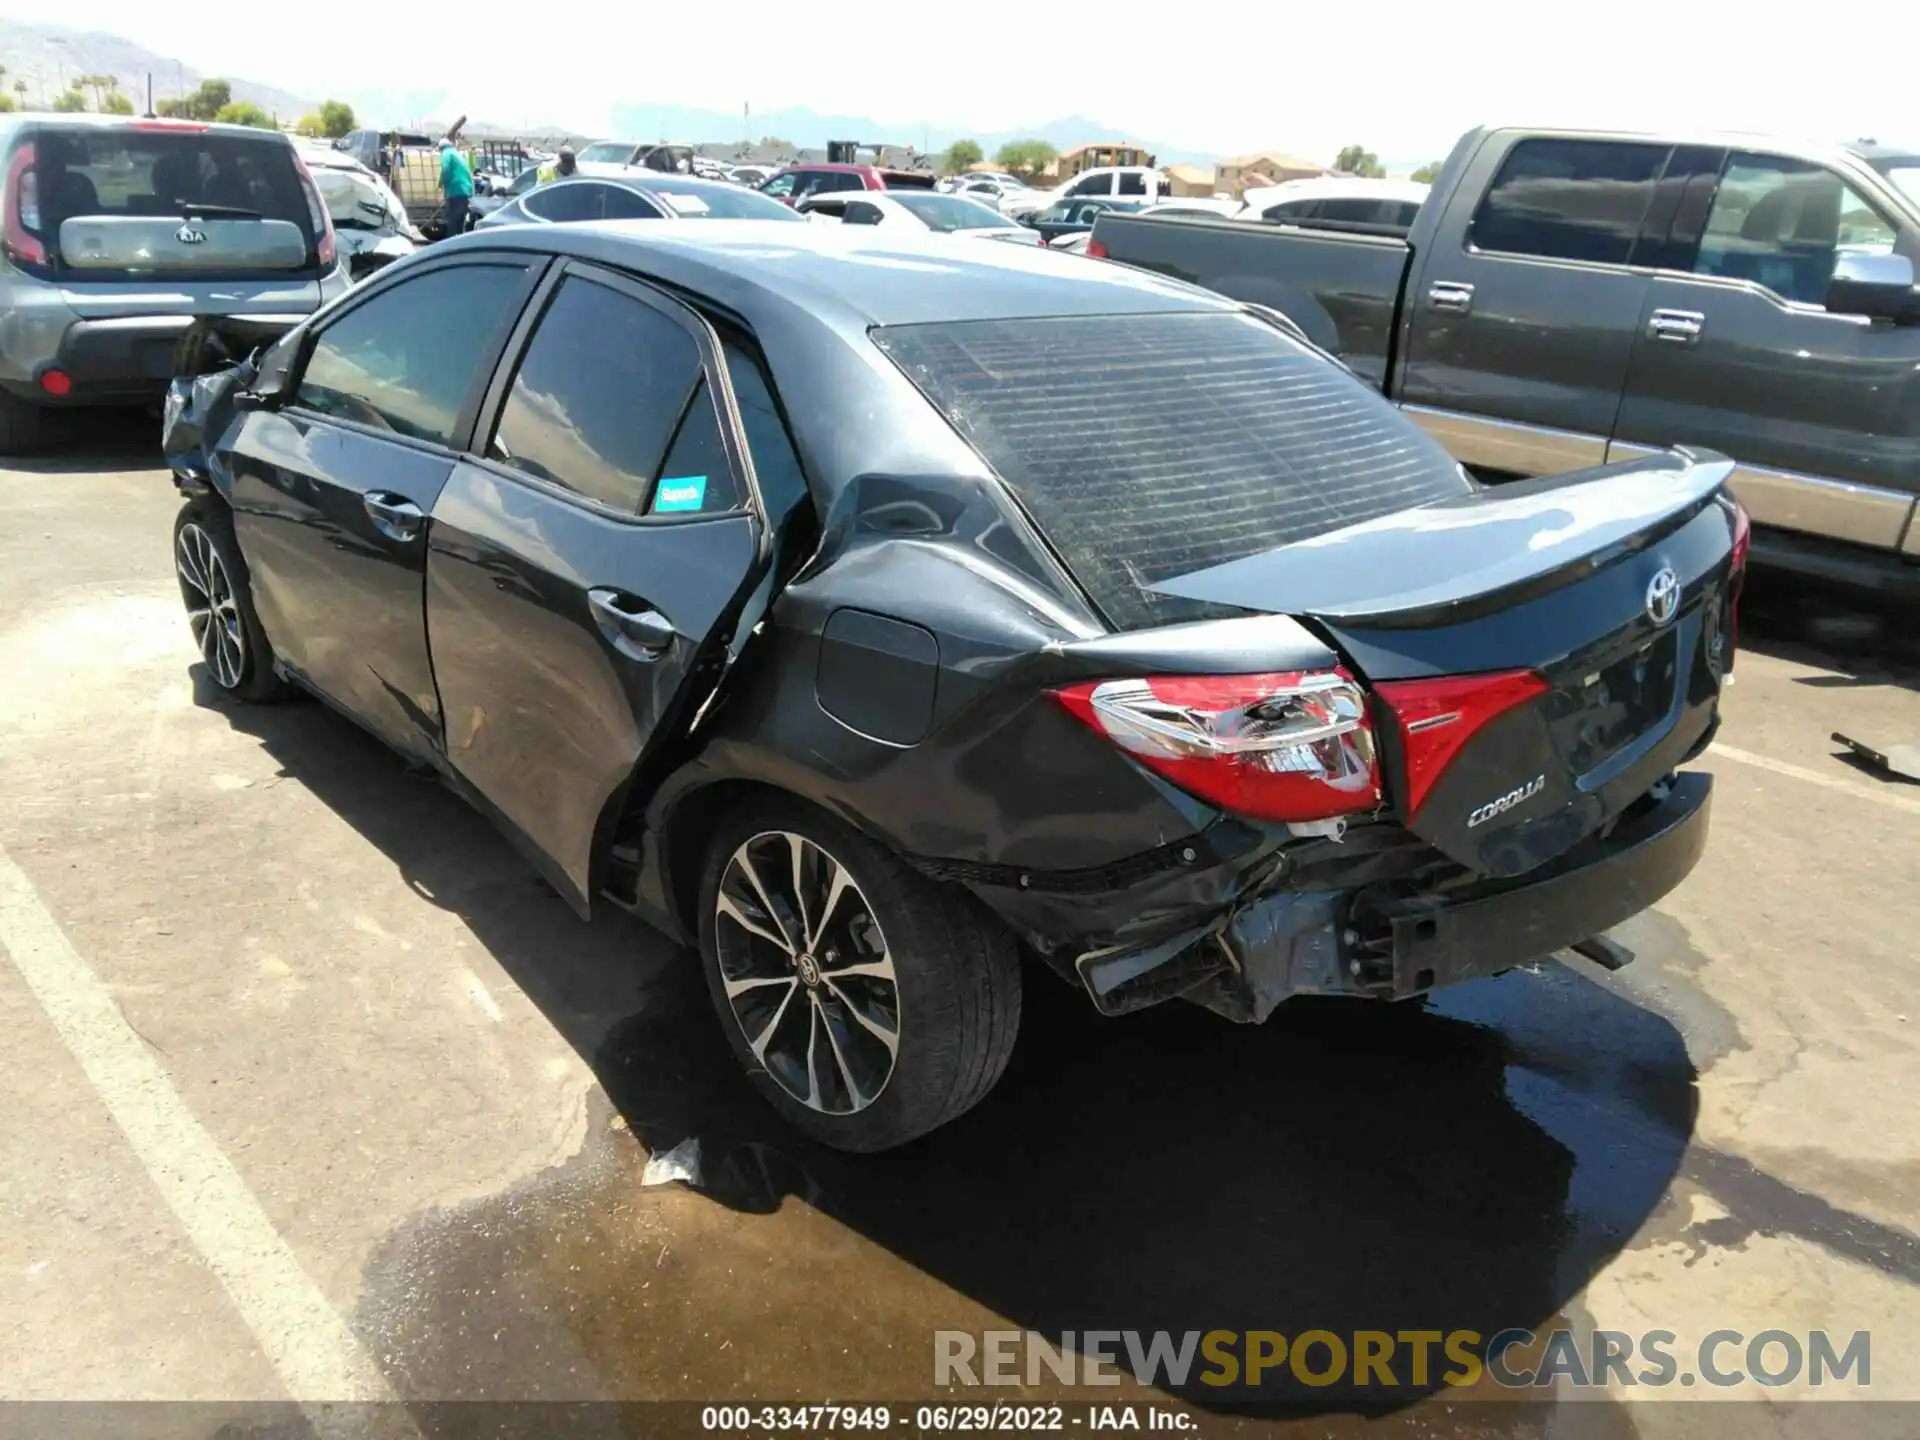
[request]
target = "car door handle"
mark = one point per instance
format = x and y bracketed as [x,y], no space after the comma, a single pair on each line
[630,625]
[1451,296]
[1678,327]
[394,516]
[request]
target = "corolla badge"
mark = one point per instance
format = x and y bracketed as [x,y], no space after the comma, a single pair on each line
[1663,595]
[1483,813]
[188,235]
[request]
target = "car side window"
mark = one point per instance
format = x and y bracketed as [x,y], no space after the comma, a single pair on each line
[1569,200]
[776,465]
[834,209]
[624,204]
[563,203]
[780,186]
[834,180]
[1132,182]
[858,212]
[1782,223]
[1290,212]
[524,181]
[598,400]
[406,359]
[1093,185]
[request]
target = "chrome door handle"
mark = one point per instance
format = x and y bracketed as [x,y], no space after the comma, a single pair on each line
[1678,327]
[630,625]
[394,516]
[1451,296]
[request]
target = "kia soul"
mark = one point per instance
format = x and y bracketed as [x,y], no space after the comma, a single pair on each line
[869,615]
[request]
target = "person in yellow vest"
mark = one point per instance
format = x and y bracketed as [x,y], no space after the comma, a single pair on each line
[563,167]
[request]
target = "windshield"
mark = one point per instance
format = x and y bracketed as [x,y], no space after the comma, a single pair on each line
[607,152]
[1905,174]
[718,202]
[949,212]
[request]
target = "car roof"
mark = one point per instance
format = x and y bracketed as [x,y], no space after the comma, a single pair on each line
[851,277]
[82,119]
[833,166]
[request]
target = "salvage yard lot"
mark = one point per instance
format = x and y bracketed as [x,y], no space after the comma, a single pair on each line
[313,1090]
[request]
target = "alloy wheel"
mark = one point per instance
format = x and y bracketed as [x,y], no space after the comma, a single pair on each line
[212,609]
[806,970]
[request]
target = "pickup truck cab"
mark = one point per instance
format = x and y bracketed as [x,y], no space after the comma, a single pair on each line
[1569,298]
[1139,184]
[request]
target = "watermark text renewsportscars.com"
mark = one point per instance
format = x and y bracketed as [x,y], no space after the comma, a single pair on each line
[1387,1360]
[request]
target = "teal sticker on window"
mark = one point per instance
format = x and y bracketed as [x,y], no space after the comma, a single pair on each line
[684,492]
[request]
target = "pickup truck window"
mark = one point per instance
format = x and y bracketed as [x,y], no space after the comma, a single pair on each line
[1781,223]
[1569,200]
[1132,183]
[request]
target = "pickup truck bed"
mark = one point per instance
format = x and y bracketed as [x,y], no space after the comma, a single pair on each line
[1564,299]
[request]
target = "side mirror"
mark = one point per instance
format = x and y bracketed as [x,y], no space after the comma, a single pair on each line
[1877,286]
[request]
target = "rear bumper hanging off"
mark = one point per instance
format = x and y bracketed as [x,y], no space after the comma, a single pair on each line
[1323,943]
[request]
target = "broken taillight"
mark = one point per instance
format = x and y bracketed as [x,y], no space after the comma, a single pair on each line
[1292,746]
[317,211]
[1737,575]
[21,206]
[1095,250]
[1438,717]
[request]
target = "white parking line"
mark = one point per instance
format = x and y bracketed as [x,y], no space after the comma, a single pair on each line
[310,1347]
[1892,799]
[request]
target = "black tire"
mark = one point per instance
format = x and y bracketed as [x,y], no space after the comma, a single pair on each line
[956,978]
[243,670]
[23,427]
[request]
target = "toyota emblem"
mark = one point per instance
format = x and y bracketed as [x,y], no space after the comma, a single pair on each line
[188,235]
[1663,595]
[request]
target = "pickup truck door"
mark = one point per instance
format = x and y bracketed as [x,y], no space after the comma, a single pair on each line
[587,562]
[1737,353]
[1521,319]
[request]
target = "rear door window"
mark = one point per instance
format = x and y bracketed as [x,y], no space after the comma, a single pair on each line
[406,360]
[565,203]
[609,399]
[1147,447]
[624,204]
[1569,200]
[1132,182]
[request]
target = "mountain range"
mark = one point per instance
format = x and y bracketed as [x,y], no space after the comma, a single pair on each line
[49,57]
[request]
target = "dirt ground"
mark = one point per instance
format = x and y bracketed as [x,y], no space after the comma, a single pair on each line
[312,1092]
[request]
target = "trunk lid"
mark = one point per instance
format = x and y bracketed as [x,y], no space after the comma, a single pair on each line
[1614,587]
[180,244]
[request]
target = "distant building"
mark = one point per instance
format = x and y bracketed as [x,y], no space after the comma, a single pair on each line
[1267,167]
[1097,156]
[1189,179]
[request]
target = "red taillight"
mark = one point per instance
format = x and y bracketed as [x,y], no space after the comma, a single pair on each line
[21,206]
[162,124]
[1095,250]
[317,212]
[1291,746]
[57,383]
[1438,717]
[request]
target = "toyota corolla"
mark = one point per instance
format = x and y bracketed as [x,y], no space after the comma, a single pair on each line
[870,614]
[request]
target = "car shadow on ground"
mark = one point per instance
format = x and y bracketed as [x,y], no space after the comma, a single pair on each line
[1344,1167]
[1864,638]
[85,442]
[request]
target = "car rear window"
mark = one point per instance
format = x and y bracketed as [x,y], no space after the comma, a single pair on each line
[123,171]
[1150,446]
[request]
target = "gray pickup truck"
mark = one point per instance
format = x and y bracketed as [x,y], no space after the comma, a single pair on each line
[1564,299]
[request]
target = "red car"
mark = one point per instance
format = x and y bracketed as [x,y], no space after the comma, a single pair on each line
[796,182]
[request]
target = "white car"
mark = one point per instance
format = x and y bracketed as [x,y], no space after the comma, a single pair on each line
[1339,200]
[1140,183]
[1194,205]
[370,225]
[921,210]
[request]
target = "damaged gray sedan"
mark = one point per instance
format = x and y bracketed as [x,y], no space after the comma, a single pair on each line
[870,613]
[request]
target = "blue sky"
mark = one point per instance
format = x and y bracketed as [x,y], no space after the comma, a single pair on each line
[1214,75]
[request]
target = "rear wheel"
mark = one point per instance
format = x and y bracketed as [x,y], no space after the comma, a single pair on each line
[214,588]
[868,1004]
[23,425]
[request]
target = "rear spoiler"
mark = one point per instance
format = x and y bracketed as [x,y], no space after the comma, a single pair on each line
[1491,542]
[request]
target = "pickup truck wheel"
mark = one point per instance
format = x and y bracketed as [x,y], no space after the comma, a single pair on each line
[214,587]
[868,1003]
[23,426]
